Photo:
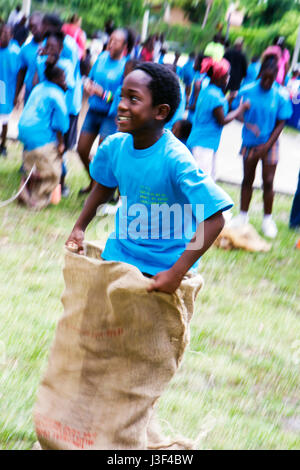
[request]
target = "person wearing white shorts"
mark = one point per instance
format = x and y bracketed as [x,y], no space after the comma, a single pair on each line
[211,115]
[206,160]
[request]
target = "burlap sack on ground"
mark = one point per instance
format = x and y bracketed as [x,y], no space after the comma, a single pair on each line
[116,348]
[244,237]
[48,165]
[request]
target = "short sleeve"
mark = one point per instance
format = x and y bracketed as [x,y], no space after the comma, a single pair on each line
[67,66]
[200,190]
[60,116]
[101,166]
[285,110]
[216,100]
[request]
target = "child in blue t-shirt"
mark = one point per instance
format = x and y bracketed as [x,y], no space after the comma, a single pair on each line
[52,54]
[270,106]
[211,115]
[167,203]
[9,68]
[42,126]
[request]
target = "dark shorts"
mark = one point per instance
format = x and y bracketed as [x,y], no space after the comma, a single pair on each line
[70,137]
[99,123]
[272,156]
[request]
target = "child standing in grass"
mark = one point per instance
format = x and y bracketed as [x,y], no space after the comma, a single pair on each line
[9,68]
[41,127]
[264,122]
[150,166]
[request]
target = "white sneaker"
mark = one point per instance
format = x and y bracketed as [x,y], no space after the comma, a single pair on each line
[238,221]
[269,228]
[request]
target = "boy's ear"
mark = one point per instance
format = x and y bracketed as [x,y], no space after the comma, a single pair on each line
[162,112]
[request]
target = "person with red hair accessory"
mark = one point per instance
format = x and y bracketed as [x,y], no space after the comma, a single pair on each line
[212,115]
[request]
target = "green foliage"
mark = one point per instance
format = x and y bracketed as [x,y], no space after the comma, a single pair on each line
[194,37]
[94,13]
[258,39]
[260,13]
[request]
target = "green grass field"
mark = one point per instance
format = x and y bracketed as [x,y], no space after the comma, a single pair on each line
[238,386]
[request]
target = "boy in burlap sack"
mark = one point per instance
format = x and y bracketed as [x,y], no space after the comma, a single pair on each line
[43,122]
[128,308]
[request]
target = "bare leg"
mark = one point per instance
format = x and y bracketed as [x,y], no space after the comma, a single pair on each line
[268,173]
[250,165]
[3,138]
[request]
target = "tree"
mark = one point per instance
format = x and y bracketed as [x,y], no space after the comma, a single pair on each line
[266,12]
[208,8]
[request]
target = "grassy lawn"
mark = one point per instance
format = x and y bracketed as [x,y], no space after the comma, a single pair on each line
[238,386]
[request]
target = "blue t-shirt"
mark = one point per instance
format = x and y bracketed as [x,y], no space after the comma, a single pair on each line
[67,66]
[252,73]
[205,81]
[44,114]
[188,72]
[70,51]
[162,176]
[9,68]
[109,74]
[28,57]
[206,131]
[179,114]
[266,108]
[113,111]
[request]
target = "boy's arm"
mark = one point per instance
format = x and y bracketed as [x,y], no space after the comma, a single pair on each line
[168,281]
[61,143]
[99,195]
[223,120]
[20,81]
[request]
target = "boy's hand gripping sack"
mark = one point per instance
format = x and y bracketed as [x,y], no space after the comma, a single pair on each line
[116,349]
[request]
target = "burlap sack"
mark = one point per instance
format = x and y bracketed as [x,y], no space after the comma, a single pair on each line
[116,348]
[48,166]
[244,237]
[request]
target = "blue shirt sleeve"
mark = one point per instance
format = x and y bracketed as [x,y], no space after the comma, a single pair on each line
[60,116]
[199,189]
[217,100]
[285,106]
[101,165]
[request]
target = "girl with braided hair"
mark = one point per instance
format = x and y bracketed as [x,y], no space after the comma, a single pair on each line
[263,124]
[211,115]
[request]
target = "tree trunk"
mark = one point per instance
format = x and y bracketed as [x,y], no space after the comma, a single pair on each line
[26,7]
[208,8]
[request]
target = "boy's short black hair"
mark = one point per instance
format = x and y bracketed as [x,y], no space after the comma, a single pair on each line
[52,72]
[164,86]
[185,129]
[53,20]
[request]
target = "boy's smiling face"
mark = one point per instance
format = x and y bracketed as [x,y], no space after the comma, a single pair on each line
[136,113]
